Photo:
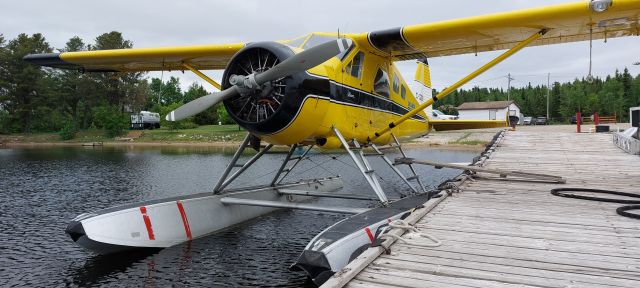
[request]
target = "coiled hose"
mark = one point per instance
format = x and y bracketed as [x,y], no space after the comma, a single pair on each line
[622,211]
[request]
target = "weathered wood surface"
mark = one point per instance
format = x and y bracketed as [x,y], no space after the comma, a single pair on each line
[501,233]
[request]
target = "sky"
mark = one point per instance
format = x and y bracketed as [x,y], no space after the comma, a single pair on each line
[154,23]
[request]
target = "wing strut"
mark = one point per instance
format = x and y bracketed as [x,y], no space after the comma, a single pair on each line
[204,77]
[461,82]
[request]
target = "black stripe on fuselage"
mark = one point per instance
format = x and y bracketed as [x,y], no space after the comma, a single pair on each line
[392,41]
[321,87]
[349,95]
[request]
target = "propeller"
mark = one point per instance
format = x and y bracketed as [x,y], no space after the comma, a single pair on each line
[241,84]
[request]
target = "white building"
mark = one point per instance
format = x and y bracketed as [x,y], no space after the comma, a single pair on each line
[493,110]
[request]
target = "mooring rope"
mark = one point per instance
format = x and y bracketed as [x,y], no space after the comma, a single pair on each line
[415,233]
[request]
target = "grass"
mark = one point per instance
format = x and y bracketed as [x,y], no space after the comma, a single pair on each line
[463,140]
[205,133]
[471,142]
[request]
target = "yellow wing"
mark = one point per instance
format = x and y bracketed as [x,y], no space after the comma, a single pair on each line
[202,57]
[566,23]
[446,125]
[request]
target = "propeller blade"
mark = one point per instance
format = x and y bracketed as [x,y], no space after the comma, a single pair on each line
[304,60]
[200,104]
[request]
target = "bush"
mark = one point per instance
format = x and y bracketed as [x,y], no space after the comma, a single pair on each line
[5,122]
[68,131]
[111,120]
[175,125]
[223,116]
[448,109]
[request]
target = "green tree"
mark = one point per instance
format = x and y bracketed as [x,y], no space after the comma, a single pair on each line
[168,92]
[110,119]
[74,87]
[22,83]
[207,117]
[115,88]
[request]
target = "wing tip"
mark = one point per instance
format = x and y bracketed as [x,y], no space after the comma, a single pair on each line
[55,61]
[49,60]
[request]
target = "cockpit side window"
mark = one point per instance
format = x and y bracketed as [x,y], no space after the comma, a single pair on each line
[354,68]
[381,83]
[396,85]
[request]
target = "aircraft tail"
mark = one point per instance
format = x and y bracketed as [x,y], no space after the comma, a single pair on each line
[423,77]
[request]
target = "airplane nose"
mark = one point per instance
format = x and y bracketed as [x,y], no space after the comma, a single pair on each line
[75,230]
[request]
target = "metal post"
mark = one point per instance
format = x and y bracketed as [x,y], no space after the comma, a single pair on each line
[578,121]
[461,82]
[509,86]
[548,93]
[232,164]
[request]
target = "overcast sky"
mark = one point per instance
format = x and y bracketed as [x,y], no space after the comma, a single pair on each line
[152,23]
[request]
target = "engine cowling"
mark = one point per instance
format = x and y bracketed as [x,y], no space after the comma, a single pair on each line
[270,107]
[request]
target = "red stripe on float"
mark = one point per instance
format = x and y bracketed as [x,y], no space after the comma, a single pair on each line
[147,222]
[185,221]
[388,220]
[369,234]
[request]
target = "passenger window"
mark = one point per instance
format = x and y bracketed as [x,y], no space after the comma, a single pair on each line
[403,92]
[354,68]
[396,85]
[381,83]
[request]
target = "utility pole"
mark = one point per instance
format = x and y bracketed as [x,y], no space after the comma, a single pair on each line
[548,92]
[509,86]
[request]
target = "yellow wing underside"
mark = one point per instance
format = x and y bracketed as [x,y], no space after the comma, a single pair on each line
[566,23]
[447,125]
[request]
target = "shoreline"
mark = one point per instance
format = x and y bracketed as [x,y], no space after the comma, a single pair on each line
[421,143]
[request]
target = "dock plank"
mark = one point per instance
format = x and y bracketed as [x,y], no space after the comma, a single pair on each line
[508,232]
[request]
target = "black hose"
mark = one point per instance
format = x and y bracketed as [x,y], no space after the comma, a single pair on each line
[621,210]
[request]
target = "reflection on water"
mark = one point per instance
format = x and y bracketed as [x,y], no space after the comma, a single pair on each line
[42,189]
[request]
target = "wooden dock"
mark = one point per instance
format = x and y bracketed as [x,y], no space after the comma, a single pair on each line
[507,233]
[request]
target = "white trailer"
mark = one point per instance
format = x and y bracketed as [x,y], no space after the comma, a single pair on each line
[145,120]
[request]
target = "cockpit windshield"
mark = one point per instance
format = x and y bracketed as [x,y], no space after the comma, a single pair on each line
[314,39]
[311,40]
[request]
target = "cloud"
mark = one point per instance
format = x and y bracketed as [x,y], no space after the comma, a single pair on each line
[160,23]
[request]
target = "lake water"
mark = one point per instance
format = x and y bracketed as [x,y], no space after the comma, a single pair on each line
[42,189]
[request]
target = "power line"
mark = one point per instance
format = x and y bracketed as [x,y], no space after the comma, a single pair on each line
[509,86]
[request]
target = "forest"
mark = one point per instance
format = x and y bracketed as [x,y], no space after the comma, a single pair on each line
[35,99]
[610,96]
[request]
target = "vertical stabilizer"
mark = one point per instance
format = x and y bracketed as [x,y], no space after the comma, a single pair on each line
[423,79]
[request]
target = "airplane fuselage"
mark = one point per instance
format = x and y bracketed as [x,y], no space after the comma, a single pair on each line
[357,92]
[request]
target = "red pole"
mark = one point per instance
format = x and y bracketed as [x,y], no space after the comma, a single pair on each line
[596,119]
[578,121]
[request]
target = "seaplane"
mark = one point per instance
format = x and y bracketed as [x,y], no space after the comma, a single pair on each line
[322,91]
